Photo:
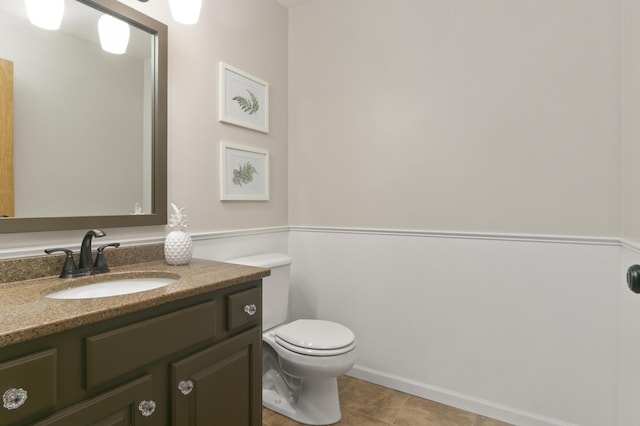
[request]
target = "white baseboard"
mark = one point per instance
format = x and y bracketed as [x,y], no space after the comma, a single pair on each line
[465,402]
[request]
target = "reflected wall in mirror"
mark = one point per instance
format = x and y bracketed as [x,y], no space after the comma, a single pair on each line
[89,126]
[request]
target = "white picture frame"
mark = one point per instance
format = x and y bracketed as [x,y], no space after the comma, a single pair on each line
[244,99]
[244,172]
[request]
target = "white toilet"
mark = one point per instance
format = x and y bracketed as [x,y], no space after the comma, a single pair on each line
[301,360]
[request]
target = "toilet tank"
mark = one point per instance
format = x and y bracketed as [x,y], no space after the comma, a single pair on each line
[275,288]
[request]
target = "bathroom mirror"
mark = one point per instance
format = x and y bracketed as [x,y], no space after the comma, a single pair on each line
[89,136]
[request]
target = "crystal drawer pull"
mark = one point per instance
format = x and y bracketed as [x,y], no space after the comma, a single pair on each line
[147,408]
[13,398]
[250,309]
[185,386]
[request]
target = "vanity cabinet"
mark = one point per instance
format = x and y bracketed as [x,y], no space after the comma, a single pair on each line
[196,361]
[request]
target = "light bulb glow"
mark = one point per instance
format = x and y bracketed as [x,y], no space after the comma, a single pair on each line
[114,34]
[45,14]
[185,11]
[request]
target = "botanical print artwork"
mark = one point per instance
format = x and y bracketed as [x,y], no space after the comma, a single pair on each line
[244,174]
[250,105]
[244,99]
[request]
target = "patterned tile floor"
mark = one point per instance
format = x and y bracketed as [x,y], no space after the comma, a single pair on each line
[366,404]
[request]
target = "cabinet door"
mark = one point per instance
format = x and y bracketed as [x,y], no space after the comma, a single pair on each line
[121,406]
[220,385]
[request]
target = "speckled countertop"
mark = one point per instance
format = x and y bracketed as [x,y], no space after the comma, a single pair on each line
[26,313]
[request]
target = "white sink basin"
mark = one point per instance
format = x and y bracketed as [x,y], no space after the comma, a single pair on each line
[112,287]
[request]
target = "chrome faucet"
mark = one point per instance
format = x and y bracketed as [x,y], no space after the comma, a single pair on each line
[86,265]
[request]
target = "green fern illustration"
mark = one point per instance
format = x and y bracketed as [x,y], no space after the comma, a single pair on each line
[244,174]
[250,105]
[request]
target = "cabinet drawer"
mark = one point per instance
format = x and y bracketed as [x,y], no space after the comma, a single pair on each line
[33,377]
[118,351]
[244,307]
[119,406]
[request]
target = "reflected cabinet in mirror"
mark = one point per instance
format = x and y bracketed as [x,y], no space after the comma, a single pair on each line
[83,130]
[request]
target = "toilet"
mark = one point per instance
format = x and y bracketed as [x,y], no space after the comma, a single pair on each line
[302,359]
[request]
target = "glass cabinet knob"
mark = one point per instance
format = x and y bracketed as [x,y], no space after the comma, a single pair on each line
[13,398]
[147,408]
[185,386]
[250,309]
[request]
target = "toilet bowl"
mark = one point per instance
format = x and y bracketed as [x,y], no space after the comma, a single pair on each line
[301,381]
[301,359]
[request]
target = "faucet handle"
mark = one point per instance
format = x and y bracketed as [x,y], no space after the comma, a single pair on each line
[100,264]
[69,266]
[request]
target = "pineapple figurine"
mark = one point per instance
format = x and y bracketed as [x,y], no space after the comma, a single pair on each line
[178,248]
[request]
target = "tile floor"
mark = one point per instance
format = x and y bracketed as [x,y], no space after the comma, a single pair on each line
[366,404]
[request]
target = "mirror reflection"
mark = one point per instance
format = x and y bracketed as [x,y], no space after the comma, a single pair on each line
[81,133]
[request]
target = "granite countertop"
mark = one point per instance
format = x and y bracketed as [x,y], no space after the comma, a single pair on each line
[27,313]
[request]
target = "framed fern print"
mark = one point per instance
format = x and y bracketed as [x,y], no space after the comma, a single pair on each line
[244,99]
[244,172]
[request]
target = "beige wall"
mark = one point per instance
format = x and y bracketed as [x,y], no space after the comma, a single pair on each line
[487,116]
[631,120]
[251,35]
[629,311]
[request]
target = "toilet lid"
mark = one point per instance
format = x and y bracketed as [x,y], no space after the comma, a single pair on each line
[315,337]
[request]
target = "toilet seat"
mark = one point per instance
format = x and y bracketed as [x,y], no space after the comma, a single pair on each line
[315,337]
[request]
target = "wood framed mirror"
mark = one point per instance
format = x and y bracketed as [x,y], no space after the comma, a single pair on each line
[89,128]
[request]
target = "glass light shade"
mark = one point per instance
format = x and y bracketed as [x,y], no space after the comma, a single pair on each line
[185,11]
[114,34]
[45,14]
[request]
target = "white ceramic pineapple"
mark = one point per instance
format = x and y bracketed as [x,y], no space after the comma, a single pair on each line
[178,248]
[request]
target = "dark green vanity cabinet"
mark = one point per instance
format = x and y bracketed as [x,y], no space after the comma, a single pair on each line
[196,361]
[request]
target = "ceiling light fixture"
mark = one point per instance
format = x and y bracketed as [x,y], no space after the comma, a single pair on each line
[184,11]
[114,34]
[45,14]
